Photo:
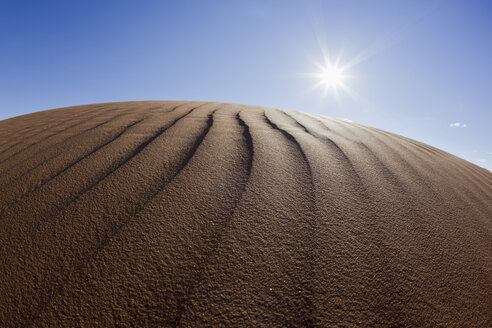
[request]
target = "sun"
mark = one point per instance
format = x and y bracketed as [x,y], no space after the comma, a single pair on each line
[331,77]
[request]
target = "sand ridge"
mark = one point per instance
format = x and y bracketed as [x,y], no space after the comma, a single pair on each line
[165,213]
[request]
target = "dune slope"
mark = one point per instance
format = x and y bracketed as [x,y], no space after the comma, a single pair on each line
[212,214]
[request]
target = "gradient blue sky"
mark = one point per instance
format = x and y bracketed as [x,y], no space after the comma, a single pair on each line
[422,65]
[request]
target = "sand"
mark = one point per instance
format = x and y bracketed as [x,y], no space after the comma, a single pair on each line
[211,214]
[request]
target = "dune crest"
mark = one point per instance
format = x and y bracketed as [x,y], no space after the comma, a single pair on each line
[210,214]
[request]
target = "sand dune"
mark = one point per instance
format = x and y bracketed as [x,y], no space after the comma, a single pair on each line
[212,214]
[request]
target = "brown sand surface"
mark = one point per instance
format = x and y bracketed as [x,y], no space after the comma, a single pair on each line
[211,214]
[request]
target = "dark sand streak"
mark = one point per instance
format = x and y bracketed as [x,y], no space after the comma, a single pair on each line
[43,162]
[388,174]
[122,222]
[46,137]
[380,257]
[473,178]
[102,177]
[60,172]
[333,146]
[23,135]
[411,169]
[309,237]
[216,238]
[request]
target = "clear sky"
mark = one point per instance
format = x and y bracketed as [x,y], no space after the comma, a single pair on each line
[422,69]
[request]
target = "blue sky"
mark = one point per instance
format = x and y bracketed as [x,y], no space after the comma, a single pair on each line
[421,66]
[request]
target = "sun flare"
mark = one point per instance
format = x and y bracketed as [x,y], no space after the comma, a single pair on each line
[331,77]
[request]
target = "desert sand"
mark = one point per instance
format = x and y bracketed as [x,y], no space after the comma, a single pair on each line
[211,214]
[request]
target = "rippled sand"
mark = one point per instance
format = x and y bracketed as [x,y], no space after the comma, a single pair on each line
[213,214]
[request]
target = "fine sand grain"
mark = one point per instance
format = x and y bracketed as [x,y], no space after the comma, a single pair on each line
[211,214]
